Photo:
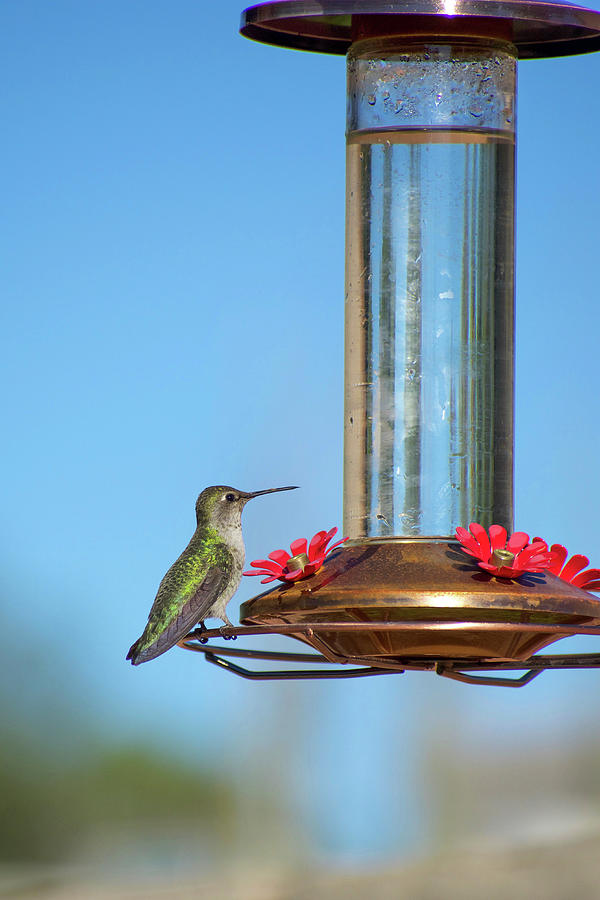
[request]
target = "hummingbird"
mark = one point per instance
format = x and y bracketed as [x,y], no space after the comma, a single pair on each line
[202,581]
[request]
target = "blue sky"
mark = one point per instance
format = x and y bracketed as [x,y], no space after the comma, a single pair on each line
[172,232]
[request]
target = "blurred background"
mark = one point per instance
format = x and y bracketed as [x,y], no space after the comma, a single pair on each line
[172,236]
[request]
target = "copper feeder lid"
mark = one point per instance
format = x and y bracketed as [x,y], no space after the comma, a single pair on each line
[537,29]
[397,580]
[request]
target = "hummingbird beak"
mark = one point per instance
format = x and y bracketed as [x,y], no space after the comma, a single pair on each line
[252,494]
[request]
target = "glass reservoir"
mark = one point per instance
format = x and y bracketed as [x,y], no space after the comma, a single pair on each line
[428,422]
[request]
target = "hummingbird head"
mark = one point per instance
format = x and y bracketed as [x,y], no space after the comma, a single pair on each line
[222,505]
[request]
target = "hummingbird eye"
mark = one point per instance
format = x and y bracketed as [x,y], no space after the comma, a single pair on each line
[230,497]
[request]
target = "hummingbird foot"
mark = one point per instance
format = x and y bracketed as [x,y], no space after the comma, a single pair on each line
[199,633]
[224,629]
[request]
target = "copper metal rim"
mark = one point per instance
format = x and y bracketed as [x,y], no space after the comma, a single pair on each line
[387,599]
[537,29]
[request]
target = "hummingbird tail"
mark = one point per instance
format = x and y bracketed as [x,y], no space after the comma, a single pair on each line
[134,653]
[151,645]
[141,653]
[158,636]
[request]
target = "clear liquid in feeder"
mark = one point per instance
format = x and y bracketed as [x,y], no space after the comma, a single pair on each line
[429,287]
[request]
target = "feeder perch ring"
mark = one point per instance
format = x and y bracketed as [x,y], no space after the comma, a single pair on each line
[464,670]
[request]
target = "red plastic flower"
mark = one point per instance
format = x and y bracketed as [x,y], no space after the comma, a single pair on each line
[300,563]
[519,555]
[571,570]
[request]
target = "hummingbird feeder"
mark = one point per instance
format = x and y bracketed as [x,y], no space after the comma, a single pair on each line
[429,352]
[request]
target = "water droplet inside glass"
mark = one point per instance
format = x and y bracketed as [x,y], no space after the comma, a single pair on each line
[371,99]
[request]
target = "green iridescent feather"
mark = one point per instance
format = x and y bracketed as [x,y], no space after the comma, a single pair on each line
[186,592]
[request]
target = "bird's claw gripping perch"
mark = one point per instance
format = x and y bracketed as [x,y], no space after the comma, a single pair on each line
[198,633]
[225,629]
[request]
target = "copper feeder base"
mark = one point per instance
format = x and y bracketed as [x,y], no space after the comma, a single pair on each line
[398,581]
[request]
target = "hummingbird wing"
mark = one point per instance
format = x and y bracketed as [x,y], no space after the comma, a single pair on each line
[181,602]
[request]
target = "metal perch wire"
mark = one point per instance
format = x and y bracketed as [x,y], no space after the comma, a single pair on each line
[361,666]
